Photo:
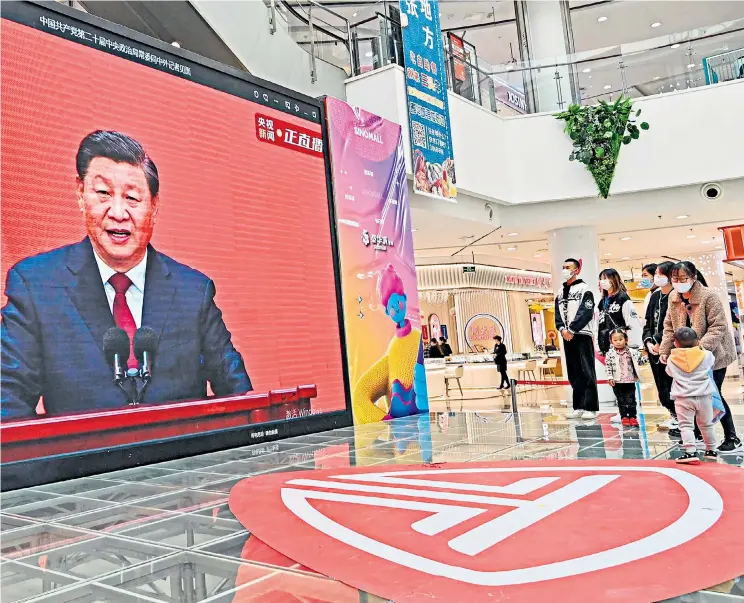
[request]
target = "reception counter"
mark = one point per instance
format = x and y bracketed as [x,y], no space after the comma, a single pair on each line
[479,372]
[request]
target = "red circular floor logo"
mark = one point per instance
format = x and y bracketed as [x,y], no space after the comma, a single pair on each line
[525,531]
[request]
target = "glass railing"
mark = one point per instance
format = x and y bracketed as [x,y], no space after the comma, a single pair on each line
[655,66]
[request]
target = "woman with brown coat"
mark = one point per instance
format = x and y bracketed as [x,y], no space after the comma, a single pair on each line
[693,305]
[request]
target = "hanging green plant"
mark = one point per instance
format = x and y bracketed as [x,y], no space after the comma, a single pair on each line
[598,132]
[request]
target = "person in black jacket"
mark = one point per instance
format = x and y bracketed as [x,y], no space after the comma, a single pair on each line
[445,347]
[434,350]
[616,311]
[653,332]
[499,357]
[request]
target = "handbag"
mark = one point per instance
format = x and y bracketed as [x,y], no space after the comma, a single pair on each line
[718,409]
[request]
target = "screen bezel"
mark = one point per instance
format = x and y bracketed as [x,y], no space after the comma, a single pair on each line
[231,81]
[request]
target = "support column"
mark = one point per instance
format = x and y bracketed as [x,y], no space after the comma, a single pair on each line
[581,243]
[546,38]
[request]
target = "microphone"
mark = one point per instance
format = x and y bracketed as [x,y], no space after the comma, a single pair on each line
[116,350]
[145,346]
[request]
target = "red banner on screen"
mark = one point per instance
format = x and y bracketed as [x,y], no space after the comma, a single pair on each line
[289,136]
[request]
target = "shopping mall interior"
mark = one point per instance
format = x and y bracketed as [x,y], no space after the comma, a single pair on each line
[581,137]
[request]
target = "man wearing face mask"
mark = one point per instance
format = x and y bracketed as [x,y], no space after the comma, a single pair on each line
[574,315]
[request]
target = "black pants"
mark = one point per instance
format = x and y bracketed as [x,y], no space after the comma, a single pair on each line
[727,421]
[581,372]
[504,376]
[626,400]
[663,384]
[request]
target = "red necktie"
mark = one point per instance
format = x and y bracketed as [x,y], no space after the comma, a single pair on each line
[122,314]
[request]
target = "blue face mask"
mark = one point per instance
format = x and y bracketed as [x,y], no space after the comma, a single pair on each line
[645,283]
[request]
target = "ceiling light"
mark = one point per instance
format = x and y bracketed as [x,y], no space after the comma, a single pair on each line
[602,19]
[705,242]
[674,46]
[656,78]
[608,254]
[513,234]
[538,255]
[355,14]
[626,258]
[607,87]
[368,54]
[691,236]
[691,66]
[718,247]
[510,66]
[682,217]
[656,24]
[176,44]
[416,229]
[626,238]
[511,248]
[587,70]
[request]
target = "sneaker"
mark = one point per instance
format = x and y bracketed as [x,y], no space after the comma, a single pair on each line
[588,414]
[626,422]
[633,423]
[616,418]
[730,446]
[575,414]
[688,459]
[710,455]
[668,425]
[675,434]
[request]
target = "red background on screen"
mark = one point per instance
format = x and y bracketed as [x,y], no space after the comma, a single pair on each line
[253,217]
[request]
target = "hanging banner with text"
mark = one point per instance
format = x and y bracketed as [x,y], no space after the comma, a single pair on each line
[428,106]
[378,272]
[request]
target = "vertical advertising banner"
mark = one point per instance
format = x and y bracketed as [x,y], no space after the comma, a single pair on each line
[378,273]
[428,106]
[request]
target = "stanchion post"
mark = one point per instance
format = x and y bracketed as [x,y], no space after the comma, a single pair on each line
[514,383]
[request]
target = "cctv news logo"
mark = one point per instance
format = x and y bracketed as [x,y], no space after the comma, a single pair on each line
[523,529]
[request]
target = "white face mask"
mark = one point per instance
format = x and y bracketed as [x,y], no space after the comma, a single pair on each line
[567,274]
[682,287]
[661,281]
[605,284]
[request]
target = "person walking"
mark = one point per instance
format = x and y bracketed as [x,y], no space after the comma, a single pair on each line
[653,333]
[574,318]
[499,357]
[693,305]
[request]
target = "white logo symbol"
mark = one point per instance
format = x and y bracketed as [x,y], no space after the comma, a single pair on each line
[387,489]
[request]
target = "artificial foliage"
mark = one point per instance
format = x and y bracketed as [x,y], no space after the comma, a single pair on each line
[598,132]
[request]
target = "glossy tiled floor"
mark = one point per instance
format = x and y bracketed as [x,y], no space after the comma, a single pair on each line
[164,533]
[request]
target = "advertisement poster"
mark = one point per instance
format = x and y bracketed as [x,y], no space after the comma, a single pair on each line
[378,273]
[428,106]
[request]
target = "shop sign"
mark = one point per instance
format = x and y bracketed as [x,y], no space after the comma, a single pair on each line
[428,103]
[509,96]
[526,280]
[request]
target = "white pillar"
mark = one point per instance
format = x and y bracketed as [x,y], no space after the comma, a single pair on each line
[546,38]
[580,243]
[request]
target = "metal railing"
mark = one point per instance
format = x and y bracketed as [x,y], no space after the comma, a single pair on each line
[724,67]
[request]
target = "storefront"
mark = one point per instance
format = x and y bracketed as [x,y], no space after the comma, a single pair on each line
[471,304]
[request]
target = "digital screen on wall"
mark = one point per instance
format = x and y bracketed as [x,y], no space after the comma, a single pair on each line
[166,236]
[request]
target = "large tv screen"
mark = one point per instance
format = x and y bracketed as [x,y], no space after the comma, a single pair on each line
[166,233]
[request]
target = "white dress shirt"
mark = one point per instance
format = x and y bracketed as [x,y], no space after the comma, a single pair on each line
[135,295]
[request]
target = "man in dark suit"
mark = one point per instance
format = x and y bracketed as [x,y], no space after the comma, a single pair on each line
[62,302]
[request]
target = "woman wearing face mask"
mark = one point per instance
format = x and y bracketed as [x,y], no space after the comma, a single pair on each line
[653,333]
[693,305]
[616,311]
[647,282]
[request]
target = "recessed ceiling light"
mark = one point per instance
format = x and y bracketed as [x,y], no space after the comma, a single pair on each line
[602,19]
[626,258]
[511,248]
[608,254]
[691,236]
[607,87]
[691,66]
[510,66]
[414,229]
[705,242]
[513,234]
[355,14]
[683,217]
[656,24]
[718,247]
[626,238]
[674,46]
[656,78]
[538,255]
[587,70]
